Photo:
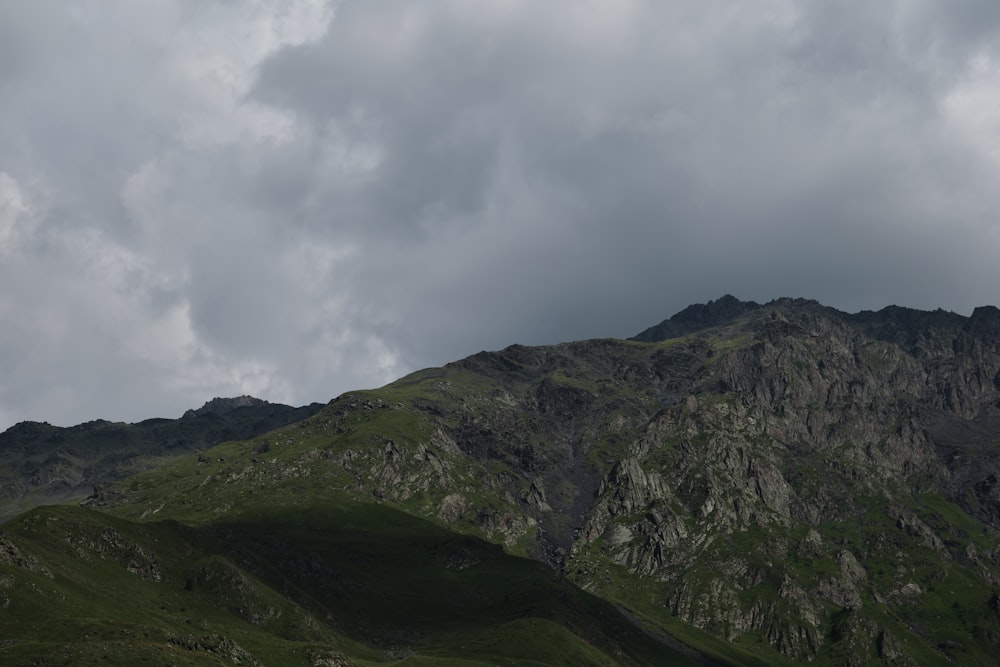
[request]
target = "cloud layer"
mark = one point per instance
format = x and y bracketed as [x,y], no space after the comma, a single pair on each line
[296,198]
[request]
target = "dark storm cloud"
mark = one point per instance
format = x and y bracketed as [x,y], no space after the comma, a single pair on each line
[704,149]
[267,199]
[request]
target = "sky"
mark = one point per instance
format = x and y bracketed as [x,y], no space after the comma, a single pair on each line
[296,198]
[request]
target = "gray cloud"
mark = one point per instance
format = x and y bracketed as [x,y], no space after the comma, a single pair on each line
[294,199]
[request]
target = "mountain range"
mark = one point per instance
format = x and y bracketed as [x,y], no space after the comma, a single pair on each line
[43,464]
[741,484]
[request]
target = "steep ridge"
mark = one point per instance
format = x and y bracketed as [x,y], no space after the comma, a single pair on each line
[777,484]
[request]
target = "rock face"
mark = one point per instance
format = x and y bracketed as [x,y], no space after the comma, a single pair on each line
[802,482]
[849,431]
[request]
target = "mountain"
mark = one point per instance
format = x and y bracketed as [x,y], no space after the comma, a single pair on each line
[42,464]
[746,484]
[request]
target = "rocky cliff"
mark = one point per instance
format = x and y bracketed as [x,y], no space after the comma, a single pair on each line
[804,493]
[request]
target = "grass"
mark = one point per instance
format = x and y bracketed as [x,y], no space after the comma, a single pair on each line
[366,581]
[397,564]
[93,610]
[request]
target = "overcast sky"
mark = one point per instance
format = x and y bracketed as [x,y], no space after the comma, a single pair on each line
[292,199]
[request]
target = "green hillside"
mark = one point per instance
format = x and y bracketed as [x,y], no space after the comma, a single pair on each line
[337,583]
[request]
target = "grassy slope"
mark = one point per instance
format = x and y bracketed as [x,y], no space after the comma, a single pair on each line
[287,586]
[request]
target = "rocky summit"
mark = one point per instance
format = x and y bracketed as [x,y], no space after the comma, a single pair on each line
[741,484]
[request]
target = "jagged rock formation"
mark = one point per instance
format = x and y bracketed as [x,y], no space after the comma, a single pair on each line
[819,425]
[222,406]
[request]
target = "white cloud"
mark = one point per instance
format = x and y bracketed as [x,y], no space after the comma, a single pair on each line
[972,106]
[212,65]
[144,195]
[15,214]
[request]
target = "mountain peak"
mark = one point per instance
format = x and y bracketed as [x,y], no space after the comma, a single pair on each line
[697,317]
[221,406]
